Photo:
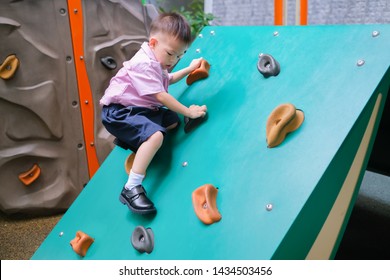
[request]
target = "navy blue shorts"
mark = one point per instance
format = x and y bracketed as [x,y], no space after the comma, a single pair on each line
[134,125]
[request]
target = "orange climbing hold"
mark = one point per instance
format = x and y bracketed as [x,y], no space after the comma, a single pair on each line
[28,177]
[129,162]
[81,243]
[200,73]
[204,200]
[9,67]
[283,119]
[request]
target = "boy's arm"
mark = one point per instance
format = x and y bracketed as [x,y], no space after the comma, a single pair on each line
[180,74]
[193,112]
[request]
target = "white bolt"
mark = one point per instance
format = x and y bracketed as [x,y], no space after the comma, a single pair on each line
[375,33]
[360,62]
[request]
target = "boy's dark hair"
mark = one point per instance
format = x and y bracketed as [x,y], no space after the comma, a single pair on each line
[173,24]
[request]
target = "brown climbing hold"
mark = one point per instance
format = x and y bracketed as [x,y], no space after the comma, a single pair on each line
[31,175]
[200,73]
[283,119]
[9,67]
[81,243]
[129,162]
[204,200]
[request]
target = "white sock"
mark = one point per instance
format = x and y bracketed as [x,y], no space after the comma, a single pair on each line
[134,180]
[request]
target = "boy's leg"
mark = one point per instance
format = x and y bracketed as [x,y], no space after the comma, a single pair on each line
[146,152]
[172,126]
[130,125]
[133,194]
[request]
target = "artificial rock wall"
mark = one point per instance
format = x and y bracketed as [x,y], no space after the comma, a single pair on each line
[43,159]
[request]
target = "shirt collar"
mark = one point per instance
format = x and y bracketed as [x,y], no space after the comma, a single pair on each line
[146,48]
[148,51]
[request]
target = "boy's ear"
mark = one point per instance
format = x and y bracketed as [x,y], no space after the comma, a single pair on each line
[152,42]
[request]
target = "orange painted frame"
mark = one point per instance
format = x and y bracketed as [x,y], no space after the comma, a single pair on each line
[279,12]
[85,94]
[303,13]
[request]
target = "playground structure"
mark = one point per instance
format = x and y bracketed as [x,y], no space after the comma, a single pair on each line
[289,202]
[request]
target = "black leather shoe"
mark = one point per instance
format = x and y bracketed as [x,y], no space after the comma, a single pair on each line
[137,201]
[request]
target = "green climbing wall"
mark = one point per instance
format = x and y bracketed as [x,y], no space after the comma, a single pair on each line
[301,178]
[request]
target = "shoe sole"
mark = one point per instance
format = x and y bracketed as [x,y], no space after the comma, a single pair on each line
[134,210]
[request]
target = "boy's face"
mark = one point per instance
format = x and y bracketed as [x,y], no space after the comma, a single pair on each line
[167,49]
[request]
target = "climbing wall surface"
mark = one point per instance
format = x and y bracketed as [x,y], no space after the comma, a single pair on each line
[287,202]
[43,160]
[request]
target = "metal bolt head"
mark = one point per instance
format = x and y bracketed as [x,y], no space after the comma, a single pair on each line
[360,62]
[276,33]
[269,207]
[198,50]
[375,33]
[184,164]
[61,234]
[200,35]
[212,32]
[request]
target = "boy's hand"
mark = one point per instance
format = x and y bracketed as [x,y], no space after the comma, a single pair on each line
[197,111]
[180,74]
[195,64]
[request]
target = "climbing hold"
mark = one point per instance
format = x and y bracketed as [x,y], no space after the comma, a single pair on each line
[129,162]
[29,176]
[108,62]
[268,66]
[204,200]
[81,243]
[190,124]
[200,73]
[284,119]
[9,67]
[142,239]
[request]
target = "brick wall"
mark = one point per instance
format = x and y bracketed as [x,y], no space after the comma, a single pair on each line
[261,12]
